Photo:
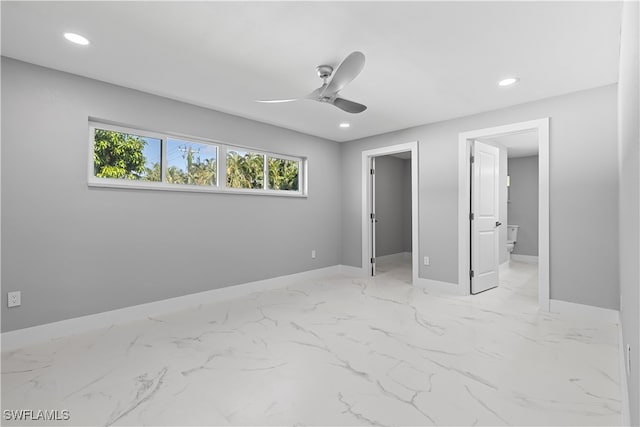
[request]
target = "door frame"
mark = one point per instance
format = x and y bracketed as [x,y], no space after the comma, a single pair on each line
[366,200]
[464,205]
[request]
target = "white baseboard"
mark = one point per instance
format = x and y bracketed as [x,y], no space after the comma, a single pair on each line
[624,388]
[585,311]
[437,286]
[531,259]
[37,334]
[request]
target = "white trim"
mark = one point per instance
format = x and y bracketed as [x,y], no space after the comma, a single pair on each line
[542,127]
[438,287]
[530,259]
[37,334]
[624,387]
[591,312]
[163,186]
[366,230]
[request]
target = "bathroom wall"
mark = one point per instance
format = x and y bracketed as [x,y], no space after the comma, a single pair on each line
[523,204]
[391,206]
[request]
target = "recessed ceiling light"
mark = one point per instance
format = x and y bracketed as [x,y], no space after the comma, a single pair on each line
[508,81]
[344,125]
[76,38]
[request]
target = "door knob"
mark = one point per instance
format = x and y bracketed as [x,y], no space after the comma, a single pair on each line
[498,223]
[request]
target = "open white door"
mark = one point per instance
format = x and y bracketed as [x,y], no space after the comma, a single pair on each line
[372,215]
[484,217]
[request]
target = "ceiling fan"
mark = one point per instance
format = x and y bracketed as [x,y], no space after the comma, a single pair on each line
[328,92]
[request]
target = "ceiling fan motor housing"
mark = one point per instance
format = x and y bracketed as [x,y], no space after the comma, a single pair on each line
[324,71]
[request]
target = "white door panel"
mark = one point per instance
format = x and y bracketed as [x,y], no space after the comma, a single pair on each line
[372,215]
[484,226]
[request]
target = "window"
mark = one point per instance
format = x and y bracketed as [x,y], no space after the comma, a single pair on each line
[245,169]
[191,163]
[124,157]
[284,174]
[119,155]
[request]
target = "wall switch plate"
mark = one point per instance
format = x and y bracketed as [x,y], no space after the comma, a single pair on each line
[313,254]
[13,299]
[427,261]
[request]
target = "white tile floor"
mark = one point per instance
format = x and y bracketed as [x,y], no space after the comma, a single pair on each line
[337,351]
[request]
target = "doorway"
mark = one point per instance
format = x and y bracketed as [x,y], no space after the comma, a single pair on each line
[470,255]
[369,204]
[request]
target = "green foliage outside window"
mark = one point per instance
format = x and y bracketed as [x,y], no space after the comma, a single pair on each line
[245,170]
[197,172]
[120,155]
[283,174]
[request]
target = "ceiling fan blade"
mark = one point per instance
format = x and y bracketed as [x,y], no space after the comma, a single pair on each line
[346,72]
[349,106]
[313,95]
[316,93]
[275,101]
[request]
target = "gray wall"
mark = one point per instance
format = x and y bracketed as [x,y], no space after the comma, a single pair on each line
[629,135]
[74,250]
[582,122]
[391,205]
[523,207]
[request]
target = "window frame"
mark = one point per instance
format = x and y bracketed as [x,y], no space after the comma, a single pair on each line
[221,164]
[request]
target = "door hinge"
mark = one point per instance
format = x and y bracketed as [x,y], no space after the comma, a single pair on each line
[372,216]
[373,260]
[372,171]
[473,159]
[471,217]
[471,274]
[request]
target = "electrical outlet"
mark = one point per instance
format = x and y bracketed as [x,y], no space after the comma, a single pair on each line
[13,299]
[427,261]
[628,359]
[313,253]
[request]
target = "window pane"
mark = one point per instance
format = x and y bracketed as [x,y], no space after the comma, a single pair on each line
[125,156]
[245,169]
[283,174]
[191,163]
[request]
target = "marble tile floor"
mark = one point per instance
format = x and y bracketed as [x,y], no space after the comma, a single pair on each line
[336,351]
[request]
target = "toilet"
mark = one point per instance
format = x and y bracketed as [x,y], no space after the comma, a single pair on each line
[512,237]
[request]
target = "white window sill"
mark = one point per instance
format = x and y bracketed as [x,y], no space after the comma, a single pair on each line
[161,186]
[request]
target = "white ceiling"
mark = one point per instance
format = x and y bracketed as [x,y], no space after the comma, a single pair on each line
[425,61]
[521,144]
